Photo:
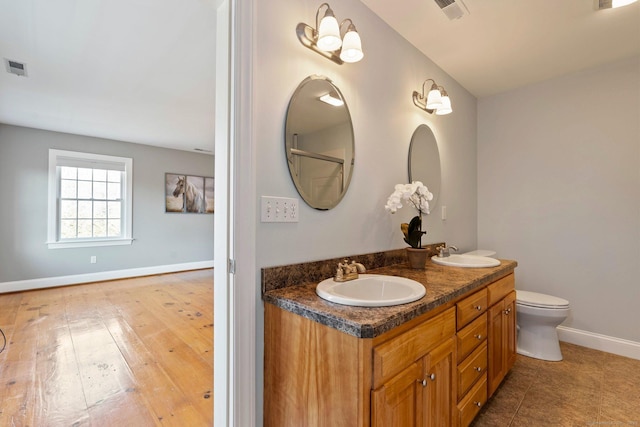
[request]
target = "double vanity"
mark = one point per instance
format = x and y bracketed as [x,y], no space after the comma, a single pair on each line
[395,346]
[433,361]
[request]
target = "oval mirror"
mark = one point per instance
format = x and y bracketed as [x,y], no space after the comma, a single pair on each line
[424,161]
[319,142]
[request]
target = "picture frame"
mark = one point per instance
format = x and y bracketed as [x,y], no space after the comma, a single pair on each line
[188,193]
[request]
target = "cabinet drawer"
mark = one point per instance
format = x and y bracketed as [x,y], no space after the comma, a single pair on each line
[471,337]
[393,356]
[471,307]
[472,368]
[501,288]
[469,407]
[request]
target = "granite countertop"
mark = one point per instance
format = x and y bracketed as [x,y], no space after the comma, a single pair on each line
[443,284]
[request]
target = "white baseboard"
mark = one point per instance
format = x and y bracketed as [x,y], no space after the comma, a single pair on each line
[595,341]
[49,282]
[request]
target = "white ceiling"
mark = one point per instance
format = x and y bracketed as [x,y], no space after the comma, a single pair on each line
[132,70]
[504,44]
[143,70]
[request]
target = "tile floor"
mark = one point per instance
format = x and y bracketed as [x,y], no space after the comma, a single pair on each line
[587,388]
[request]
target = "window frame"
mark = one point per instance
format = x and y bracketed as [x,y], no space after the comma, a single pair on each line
[53,212]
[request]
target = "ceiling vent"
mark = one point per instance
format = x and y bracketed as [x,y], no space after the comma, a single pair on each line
[15,67]
[452,8]
[611,4]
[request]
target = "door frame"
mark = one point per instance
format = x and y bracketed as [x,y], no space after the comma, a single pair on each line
[235,277]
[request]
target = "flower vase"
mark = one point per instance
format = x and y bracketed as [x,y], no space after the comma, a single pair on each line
[417,257]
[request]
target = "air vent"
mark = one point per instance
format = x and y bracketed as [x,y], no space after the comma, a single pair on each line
[15,67]
[452,8]
[611,4]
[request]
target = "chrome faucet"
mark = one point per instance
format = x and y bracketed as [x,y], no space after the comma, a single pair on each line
[443,251]
[346,271]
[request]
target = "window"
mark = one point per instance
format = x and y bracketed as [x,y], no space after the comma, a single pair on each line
[89,200]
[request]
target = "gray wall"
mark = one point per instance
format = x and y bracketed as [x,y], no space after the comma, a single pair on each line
[160,239]
[378,94]
[559,191]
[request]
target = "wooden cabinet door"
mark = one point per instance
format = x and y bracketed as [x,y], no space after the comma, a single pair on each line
[501,340]
[510,331]
[439,400]
[399,402]
[496,363]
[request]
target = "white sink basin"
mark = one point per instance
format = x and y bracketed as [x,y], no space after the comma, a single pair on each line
[463,260]
[371,290]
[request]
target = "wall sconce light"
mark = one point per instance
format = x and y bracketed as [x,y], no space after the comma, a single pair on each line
[327,39]
[436,100]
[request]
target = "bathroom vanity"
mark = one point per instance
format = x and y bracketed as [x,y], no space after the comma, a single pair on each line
[432,362]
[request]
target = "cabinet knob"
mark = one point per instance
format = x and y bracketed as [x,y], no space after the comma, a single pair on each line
[478,307]
[423,382]
[507,311]
[478,404]
[478,368]
[432,377]
[478,336]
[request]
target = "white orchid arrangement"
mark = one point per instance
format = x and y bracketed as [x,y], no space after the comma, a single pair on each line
[417,195]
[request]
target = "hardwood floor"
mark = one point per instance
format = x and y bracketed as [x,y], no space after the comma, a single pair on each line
[139,352]
[133,352]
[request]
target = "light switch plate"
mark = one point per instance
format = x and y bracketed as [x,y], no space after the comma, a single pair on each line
[278,209]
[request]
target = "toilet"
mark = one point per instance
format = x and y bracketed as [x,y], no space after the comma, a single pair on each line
[537,316]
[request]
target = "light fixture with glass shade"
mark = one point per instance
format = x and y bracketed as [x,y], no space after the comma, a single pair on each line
[327,39]
[437,100]
[445,108]
[351,45]
[434,98]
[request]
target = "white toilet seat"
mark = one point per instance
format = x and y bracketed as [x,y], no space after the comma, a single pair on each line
[534,299]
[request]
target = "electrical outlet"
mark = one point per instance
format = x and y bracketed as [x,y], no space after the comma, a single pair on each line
[278,209]
[94,259]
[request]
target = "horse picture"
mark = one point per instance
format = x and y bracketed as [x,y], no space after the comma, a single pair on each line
[185,193]
[208,194]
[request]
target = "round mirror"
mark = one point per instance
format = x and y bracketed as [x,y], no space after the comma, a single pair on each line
[424,161]
[319,142]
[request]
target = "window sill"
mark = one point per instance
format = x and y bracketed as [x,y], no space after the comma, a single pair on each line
[89,243]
